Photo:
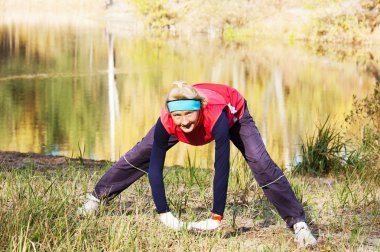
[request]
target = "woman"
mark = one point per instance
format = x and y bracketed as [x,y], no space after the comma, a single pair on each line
[197,115]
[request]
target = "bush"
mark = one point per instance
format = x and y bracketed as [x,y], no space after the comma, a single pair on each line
[365,117]
[158,17]
[322,153]
[329,150]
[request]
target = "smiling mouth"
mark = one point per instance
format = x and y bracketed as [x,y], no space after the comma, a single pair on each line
[186,127]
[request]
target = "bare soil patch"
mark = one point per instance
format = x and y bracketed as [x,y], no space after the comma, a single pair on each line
[18,160]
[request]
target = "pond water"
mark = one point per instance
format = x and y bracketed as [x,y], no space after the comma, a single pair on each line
[71,90]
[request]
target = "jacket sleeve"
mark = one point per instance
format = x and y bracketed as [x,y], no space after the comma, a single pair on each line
[156,164]
[220,133]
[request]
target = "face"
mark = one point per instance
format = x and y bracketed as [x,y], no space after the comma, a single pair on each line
[187,120]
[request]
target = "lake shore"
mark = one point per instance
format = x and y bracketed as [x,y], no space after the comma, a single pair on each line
[40,193]
[18,160]
[346,22]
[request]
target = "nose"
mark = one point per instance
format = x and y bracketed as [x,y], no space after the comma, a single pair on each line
[184,121]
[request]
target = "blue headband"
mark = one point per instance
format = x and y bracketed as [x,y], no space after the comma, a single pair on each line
[183,105]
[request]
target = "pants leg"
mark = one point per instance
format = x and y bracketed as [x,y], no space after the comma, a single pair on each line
[246,137]
[122,174]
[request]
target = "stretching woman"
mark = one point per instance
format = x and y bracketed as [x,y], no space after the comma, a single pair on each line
[197,115]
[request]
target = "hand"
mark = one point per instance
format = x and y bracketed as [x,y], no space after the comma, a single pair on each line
[171,222]
[208,224]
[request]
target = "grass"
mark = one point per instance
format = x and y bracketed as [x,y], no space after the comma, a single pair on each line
[38,213]
[323,152]
[328,151]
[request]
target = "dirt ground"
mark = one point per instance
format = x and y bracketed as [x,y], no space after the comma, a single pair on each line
[18,160]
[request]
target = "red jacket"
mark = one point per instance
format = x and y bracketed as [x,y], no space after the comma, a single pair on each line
[219,97]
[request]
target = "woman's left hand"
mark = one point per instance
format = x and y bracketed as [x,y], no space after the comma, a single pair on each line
[208,224]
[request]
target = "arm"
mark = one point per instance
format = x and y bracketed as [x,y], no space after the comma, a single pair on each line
[156,180]
[156,164]
[220,133]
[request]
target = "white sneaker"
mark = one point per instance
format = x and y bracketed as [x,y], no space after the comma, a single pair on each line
[303,235]
[90,206]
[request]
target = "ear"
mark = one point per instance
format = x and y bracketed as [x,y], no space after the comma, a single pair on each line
[166,108]
[204,102]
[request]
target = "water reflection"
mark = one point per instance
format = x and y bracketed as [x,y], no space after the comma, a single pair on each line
[113,97]
[58,89]
[278,86]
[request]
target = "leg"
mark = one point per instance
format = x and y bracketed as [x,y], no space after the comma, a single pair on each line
[123,173]
[246,137]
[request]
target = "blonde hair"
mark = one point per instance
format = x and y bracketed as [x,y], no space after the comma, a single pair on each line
[182,91]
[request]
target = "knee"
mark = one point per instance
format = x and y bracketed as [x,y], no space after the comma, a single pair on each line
[265,170]
[260,161]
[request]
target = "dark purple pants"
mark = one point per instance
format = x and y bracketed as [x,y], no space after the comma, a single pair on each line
[245,136]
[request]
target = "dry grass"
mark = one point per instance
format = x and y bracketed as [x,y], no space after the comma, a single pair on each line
[338,21]
[58,6]
[39,213]
[83,12]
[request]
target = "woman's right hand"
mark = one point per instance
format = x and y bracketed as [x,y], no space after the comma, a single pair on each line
[171,222]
